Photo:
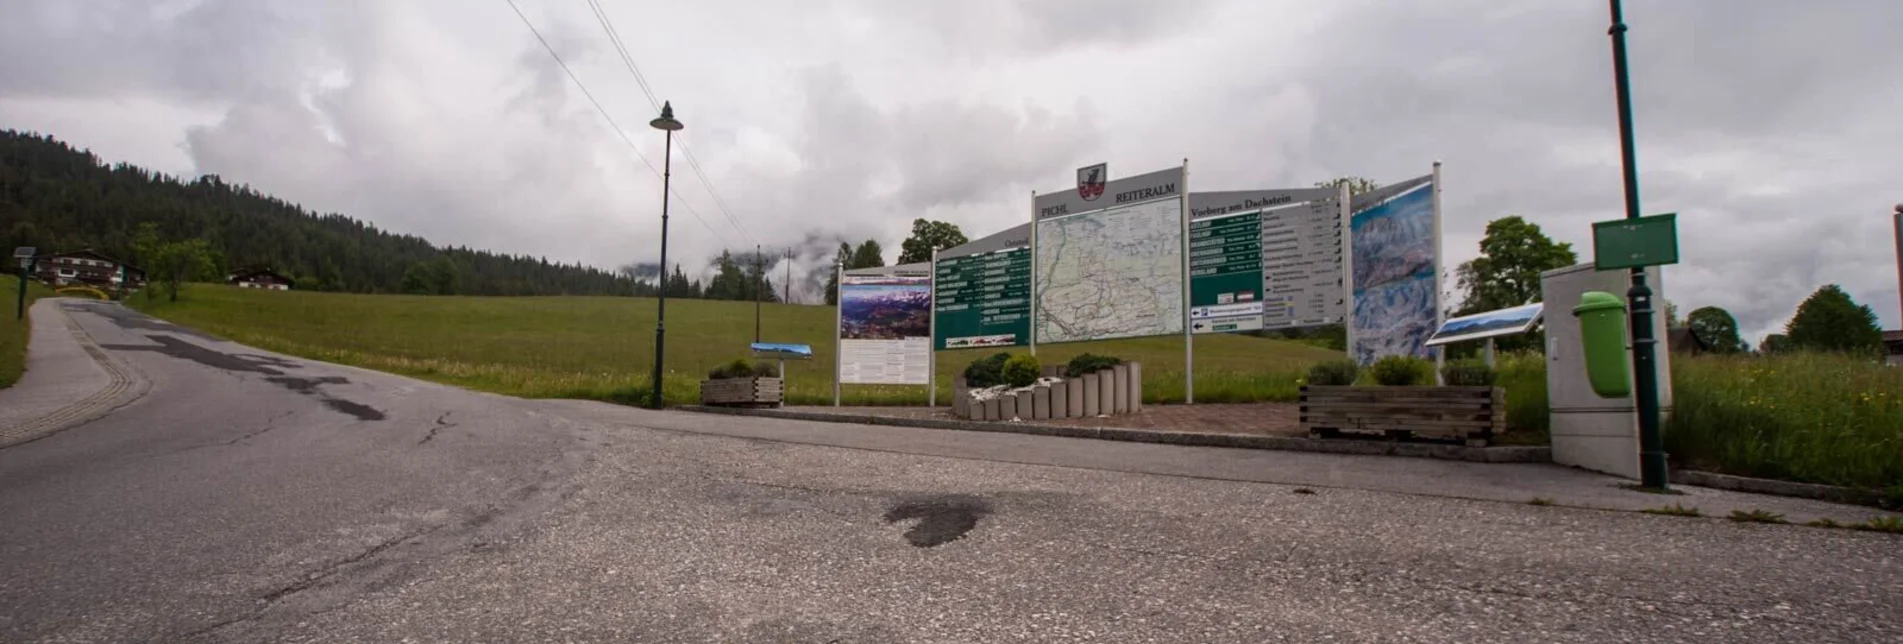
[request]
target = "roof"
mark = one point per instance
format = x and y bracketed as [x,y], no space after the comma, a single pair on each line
[1683,337]
[248,273]
[90,253]
[1893,336]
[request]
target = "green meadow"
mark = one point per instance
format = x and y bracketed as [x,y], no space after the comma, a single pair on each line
[602,348]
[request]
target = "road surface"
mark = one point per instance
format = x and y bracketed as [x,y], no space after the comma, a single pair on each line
[249,497]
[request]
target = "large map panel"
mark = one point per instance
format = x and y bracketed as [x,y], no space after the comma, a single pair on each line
[1396,301]
[1112,273]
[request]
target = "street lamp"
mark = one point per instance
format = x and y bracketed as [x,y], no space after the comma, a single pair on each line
[25,254]
[668,124]
[1652,463]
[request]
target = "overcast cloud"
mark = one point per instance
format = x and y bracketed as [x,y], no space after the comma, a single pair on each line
[1770,127]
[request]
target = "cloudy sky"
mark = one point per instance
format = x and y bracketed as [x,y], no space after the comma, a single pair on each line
[1771,127]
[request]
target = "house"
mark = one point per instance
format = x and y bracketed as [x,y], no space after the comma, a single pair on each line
[86,267]
[1893,348]
[1683,341]
[263,278]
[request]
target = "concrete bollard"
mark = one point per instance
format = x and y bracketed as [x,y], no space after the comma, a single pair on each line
[1007,407]
[1136,387]
[1024,405]
[1060,400]
[1041,403]
[1106,392]
[1075,407]
[1121,373]
[992,409]
[1092,395]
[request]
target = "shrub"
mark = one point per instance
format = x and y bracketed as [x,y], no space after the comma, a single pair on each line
[1089,363]
[987,371]
[1402,371]
[1021,371]
[1523,376]
[739,368]
[1468,373]
[764,369]
[1334,373]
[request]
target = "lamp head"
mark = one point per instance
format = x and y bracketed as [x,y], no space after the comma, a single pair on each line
[667,120]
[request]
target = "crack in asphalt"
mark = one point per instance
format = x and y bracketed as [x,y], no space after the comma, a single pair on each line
[268,426]
[441,425]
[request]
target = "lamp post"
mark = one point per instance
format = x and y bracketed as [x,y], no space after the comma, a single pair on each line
[666,123]
[26,255]
[759,283]
[1652,473]
[1896,220]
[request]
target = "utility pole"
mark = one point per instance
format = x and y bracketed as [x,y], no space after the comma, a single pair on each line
[787,286]
[759,276]
[1652,473]
[1896,220]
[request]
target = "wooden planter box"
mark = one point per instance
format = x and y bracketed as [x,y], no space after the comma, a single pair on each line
[743,392]
[1475,414]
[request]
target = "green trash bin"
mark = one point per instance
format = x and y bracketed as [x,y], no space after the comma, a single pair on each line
[1602,327]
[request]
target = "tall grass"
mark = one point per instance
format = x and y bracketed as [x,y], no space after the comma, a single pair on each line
[1523,375]
[1815,418]
[602,347]
[13,330]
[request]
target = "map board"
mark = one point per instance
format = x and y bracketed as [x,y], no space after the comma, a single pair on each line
[1396,261]
[885,325]
[1110,265]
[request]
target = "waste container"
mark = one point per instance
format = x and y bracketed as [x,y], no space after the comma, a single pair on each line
[1602,327]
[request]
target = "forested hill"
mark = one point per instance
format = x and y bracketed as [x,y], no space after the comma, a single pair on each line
[58,198]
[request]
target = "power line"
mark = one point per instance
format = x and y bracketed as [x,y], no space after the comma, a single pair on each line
[614,38]
[611,121]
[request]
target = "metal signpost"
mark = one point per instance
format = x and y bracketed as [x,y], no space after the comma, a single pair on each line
[25,255]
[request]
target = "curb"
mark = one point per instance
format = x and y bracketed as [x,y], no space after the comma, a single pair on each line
[1244,441]
[1772,487]
[125,385]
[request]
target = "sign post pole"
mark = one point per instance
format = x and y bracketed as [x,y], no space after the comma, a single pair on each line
[1347,271]
[1189,335]
[931,339]
[1652,472]
[1035,302]
[839,305]
[1440,312]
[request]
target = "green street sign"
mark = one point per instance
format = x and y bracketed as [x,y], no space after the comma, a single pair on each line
[1635,243]
[982,300]
[1225,273]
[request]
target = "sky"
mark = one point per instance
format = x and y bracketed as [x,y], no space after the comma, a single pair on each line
[1770,127]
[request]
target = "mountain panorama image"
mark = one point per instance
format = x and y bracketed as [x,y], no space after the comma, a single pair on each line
[1000,321]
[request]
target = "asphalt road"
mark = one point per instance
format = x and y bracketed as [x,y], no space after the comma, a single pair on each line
[250,497]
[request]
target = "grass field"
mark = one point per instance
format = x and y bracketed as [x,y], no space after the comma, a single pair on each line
[1804,417]
[13,332]
[602,348]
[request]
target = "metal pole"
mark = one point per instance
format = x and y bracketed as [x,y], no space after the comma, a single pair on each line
[931,339]
[1897,221]
[1440,275]
[1189,335]
[1347,271]
[1489,353]
[660,305]
[1035,302]
[1652,471]
[788,285]
[839,305]
[20,310]
[759,276]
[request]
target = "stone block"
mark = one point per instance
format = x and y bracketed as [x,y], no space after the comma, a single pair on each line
[1060,400]
[1041,403]
[1007,407]
[1092,395]
[1136,387]
[1024,405]
[1121,389]
[1106,392]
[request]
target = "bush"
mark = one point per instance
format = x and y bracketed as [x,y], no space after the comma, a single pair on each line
[764,369]
[1402,371]
[1523,376]
[1089,363]
[739,368]
[1021,371]
[1334,373]
[1468,373]
[987,371]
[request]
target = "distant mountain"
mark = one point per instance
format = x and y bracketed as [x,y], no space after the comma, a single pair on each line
[56,197]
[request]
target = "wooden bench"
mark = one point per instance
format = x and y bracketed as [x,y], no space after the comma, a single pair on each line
[1474,414]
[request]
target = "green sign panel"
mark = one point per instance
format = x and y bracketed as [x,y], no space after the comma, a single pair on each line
[983,300]
[1225,273]
[1635,243]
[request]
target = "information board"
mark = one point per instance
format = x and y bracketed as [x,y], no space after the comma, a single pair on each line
[983,300]
[1302,265]
[885,329]
[1225,273]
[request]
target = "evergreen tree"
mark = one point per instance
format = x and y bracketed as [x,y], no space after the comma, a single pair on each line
[842,260]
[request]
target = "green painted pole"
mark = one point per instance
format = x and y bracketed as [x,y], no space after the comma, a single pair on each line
[1652,473]
[20,310]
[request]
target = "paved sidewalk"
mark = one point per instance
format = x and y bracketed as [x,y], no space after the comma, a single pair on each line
[68,380]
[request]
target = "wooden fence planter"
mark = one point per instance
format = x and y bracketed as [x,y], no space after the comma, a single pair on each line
[743,392]
[1475,414]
